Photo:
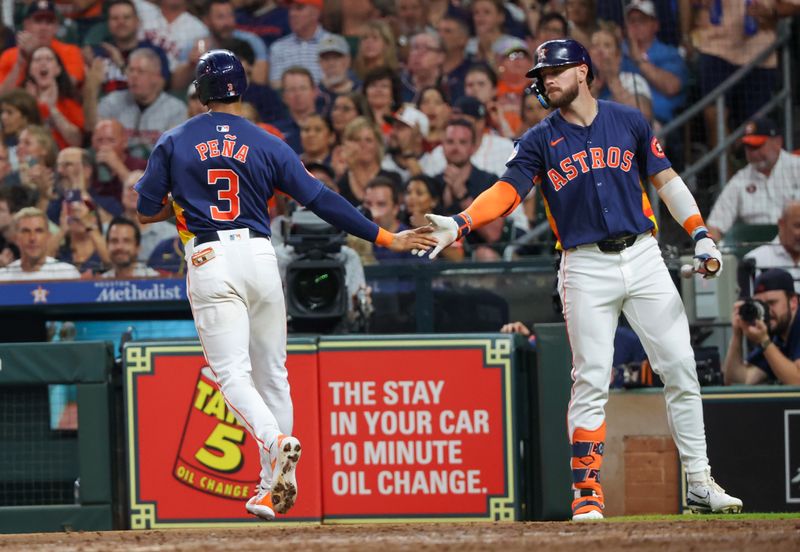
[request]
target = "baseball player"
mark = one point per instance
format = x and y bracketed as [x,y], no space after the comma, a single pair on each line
[590,159]
[215,173]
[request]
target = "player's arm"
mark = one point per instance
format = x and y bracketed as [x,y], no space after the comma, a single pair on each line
[158,211]
[682,206]
[154,186]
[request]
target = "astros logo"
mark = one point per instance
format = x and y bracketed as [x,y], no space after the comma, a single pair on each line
[542,55]
[655,147]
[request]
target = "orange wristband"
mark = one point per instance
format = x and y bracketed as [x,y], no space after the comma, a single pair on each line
[384,238]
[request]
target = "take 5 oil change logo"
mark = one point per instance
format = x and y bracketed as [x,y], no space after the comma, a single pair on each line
[216,454]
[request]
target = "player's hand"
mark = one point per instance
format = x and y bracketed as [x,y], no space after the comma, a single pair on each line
[445,230]
[516,327]
[705,249]
[418,239]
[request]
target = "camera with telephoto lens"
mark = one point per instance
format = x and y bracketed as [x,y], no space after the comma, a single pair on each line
[752,310]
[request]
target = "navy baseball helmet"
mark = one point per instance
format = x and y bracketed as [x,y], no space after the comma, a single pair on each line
[219,75]
[558,53]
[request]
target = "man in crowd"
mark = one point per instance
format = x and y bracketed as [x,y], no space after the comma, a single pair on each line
[335,61]
[409,127]
[758,192]
[111,56]
[32,235]
[454,33]
[660,64]
[144,109]
[218,16]
[113,163]
[424,66]
[123,239]
[299,95]
[382,199]
[301,46]
[776,356]
[784,251]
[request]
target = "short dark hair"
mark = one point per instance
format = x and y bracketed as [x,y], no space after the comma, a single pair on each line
[484,68]
[298,70]
[123,221]
[384,73]
[240,49]
[206,8]
[554,16]
[25,103]
[382,181]
[113,3]
[461,122]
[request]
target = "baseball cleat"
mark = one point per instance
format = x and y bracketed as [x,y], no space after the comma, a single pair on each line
[590,515]
[261,505]
[705,496]
[284,480]
[587,506]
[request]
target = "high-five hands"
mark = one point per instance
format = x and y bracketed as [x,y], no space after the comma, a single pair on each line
[418,239]
[443,229]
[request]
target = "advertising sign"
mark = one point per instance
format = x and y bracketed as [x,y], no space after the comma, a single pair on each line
[190,462]
[417,429]
[754,446]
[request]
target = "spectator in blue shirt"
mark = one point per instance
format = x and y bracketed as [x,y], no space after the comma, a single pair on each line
[660,64]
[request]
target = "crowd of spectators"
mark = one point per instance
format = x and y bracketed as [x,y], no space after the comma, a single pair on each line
[402,106]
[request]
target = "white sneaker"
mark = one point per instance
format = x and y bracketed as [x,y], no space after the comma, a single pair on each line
[284,480]
[705,496]
[261,505]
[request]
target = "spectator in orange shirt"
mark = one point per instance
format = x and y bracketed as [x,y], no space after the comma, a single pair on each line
[38,29]
[47,81]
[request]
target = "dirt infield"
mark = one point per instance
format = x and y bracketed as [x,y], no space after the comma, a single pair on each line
[712,535]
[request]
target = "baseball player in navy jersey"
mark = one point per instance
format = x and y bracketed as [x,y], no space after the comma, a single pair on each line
[215,173]
[590,160]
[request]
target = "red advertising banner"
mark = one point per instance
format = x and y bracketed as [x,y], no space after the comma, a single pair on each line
[417,429]
[190,463]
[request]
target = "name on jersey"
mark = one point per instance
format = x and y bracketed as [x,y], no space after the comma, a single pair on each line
[213,148]
[583,161]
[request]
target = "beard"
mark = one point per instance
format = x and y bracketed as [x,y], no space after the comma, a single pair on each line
[568,95]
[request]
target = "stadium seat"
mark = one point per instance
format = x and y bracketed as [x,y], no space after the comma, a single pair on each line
[741,238]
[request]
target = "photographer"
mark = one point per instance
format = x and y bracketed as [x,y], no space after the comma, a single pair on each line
[769,321]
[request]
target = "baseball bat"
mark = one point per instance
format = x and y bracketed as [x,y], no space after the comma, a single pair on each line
[711,266]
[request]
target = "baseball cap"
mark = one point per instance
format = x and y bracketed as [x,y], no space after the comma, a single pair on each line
[509,44]
[774,279]
[411,116]
[467,105]
[756,132]
[644,6]
[333,43]
[41,7]
[316,3]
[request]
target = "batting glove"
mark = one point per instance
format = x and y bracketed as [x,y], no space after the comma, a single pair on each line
[445,230]
[704,250]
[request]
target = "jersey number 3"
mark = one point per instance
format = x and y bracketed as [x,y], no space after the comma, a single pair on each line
[229,194]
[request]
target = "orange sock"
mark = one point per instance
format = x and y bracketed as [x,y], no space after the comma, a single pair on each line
[587,457]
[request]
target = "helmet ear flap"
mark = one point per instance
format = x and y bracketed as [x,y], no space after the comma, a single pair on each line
[539,91]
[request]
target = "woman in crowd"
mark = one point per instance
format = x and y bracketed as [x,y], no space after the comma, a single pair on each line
[346,108]
[382,90]
[424,195]
[47,81]
[377,48]
[433,103]
[609,82]
[488,17]
[318,139]
[37,153]
[481,83]
[18,109]
[363,153]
